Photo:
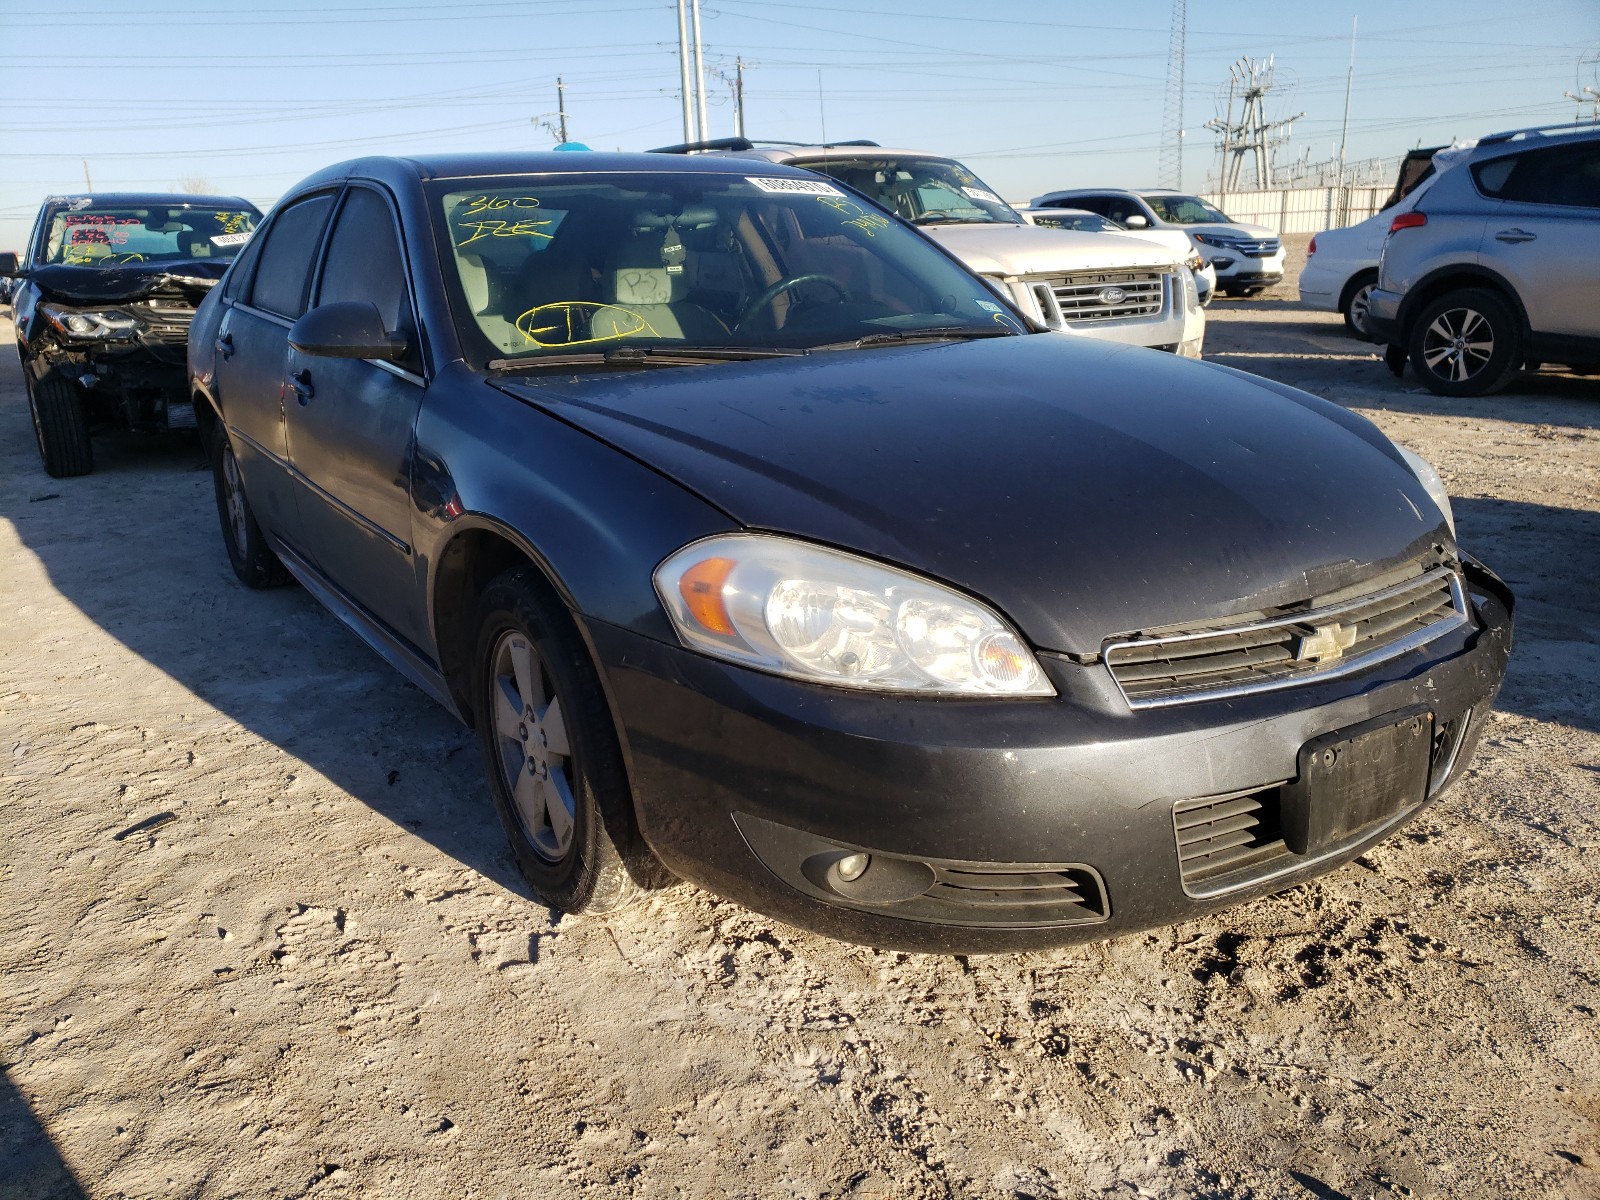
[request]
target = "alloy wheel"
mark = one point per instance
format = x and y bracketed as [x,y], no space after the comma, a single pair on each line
[233,490]
[1360,303]
[1458,344]
[533,751]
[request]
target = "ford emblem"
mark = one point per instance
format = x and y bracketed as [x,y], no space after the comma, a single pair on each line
[1112,295]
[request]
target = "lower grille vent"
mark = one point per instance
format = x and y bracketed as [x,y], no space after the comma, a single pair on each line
[1219,834]
[1024,896]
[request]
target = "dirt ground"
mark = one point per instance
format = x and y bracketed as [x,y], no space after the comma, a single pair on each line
[260,937]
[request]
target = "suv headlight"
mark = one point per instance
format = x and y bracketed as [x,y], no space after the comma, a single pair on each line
[90,324]
[824,616]
[1431,482]
[1217,240]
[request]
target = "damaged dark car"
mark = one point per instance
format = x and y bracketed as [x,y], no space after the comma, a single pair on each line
[765,546]
[103,298]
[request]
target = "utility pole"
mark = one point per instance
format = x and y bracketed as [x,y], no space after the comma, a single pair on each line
[1171,169]
[738,97]
[1349,79]
[561,107]
[683,70]
[699,71]
[88,185]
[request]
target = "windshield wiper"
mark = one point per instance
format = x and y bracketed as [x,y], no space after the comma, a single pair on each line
[938,333]
[648,356]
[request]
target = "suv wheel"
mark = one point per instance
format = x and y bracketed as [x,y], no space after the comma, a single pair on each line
[1466,344]
[555,768]
[60,426]
[1357,302]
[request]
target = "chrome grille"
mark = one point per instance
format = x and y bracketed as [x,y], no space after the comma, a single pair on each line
[1107,295]
[1260,248]
[1335,639]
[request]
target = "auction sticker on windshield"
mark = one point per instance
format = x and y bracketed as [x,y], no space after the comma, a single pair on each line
[230,239]
[808,187]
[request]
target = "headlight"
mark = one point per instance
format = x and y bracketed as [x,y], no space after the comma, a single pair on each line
[1429,478]
[828,617]
[1194,262]
[89,324]
[1215,239]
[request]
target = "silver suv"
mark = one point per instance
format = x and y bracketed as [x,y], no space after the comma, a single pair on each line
[1497,265]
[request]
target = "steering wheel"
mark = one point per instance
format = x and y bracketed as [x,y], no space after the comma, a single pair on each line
[769,294]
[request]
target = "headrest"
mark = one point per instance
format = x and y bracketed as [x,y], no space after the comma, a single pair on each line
[645,285]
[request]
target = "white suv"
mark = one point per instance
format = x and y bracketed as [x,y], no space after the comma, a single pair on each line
[1248,258]
[1121,290]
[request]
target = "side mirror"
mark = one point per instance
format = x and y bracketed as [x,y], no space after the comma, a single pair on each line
[1136,221]
[346,329]
[9,268]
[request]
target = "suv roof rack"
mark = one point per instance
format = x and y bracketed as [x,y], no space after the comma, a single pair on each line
[1535,131]
[739,143]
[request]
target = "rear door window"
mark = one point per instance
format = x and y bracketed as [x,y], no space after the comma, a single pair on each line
[1564,175]
[283,274]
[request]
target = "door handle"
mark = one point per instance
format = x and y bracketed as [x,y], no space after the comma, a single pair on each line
[1515,235]
[224,345]
[301,382]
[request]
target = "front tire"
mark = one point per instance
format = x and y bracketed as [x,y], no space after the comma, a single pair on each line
[254,562]
[555,767]
[1466,343]
[60,425]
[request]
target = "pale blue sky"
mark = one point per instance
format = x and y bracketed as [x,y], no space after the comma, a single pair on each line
[251,98]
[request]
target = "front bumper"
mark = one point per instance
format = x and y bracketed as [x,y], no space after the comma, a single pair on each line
[1235,269]
[755,786]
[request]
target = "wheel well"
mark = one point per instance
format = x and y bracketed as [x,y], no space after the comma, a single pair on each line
[1354,283]
[205,419]
[469,562]
[1418,298]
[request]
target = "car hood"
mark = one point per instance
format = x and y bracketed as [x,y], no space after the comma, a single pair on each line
[1084,488]
[1236,229]
[996,249]
[127,281]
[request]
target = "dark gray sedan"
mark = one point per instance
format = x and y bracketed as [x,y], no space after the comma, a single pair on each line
[765,546]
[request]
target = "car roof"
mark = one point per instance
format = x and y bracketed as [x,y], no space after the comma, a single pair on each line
[170,199]
[543,162]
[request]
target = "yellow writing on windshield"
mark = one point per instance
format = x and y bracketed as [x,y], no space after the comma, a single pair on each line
[566,322]
[854,214]
[501,228]
[479,204]
[237,222]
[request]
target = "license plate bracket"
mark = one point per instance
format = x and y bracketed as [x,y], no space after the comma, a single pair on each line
[1354,778]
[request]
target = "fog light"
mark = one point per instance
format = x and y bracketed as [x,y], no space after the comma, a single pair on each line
[852,867]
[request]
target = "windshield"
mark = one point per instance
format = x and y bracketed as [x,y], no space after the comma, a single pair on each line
[109,236]
[926,191]
[1187,210]
[1084,222]
[553,265]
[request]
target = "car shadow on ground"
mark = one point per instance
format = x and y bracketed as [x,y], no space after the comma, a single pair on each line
[135,547]
[31,1168]
[1551,558]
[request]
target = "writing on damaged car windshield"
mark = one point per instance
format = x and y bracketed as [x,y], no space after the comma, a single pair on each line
[558,264]
[104,237]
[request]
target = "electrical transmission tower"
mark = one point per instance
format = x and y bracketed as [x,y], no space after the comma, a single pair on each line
[1251,82]
[1171,165]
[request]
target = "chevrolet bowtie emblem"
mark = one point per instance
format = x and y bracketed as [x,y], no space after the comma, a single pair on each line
[1326,644]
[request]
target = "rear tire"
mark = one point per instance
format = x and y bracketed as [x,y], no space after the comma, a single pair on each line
[254,562]
[1356,302]
[1466,343]
[60,425]
[554,764]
